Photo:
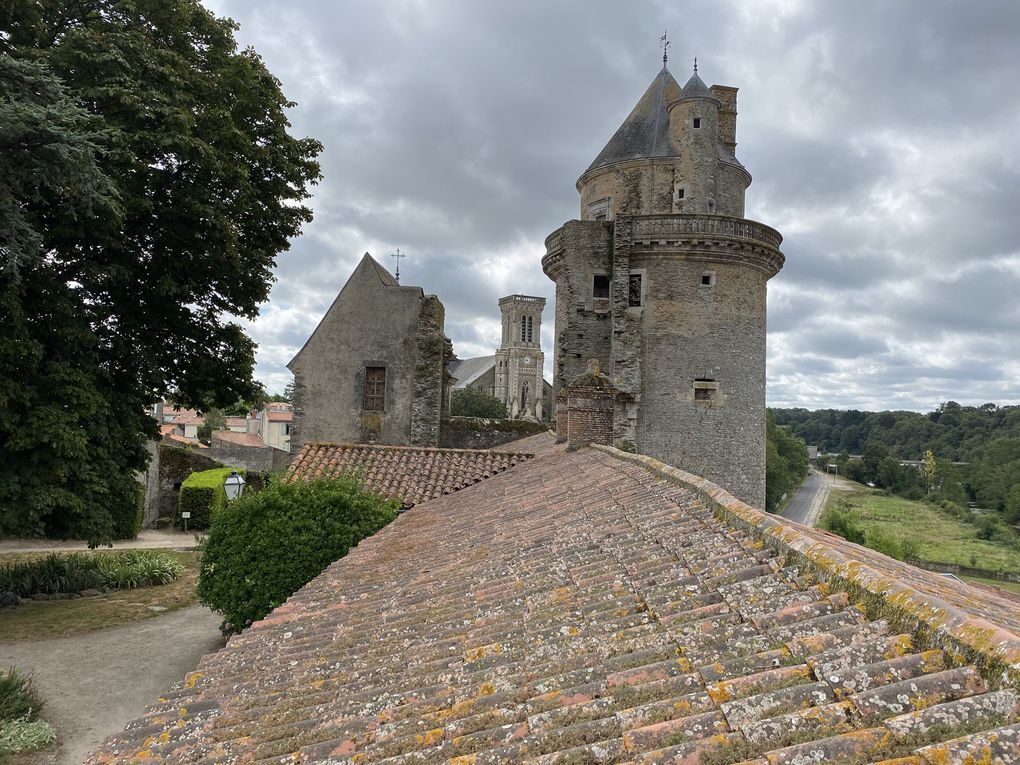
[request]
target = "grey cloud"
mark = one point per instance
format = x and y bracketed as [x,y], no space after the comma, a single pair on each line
[881,137]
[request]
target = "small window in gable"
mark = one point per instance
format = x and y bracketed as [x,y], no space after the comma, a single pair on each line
[375,389]
[697,123]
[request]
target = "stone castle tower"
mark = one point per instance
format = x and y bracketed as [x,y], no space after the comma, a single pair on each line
[519,360]
[663,282]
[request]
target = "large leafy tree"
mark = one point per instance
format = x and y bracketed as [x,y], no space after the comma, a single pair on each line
[147,183]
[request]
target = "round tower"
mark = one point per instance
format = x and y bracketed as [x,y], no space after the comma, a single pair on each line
[519,360]
[667,290]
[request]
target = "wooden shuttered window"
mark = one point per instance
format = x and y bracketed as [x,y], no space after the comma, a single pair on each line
[375,389]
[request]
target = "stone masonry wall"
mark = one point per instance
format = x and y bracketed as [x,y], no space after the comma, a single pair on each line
[433,351]
[583,248]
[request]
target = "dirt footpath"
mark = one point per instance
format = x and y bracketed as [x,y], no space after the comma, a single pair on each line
[94,684]
[148,539]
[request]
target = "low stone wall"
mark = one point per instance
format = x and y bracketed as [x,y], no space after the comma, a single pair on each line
[944,613]
[252,458]
[952,568]
[481,433]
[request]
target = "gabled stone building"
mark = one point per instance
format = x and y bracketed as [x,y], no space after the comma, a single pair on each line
[663,282]
[374,369]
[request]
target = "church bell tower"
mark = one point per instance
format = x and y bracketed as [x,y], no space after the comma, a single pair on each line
[519,360]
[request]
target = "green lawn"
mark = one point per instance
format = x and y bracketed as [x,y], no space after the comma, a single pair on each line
[942,538]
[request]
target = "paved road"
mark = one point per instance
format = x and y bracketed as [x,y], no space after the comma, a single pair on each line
[809,500]
[94,684]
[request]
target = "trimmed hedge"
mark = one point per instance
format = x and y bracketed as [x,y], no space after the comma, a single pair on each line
[202,494]
[265,546]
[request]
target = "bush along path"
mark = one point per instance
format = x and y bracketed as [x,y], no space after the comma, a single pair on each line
[21,730]
[56,575]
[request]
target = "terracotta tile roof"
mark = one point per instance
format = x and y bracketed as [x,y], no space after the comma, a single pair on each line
[184,440]
[410,474]
[280,416]
[167,429]
[236,422]
[241,439]
[185,416]
[580,609]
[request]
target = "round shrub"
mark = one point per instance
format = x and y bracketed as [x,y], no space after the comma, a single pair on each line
[264,547]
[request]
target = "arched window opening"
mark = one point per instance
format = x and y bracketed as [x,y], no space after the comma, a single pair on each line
[524,329]
[529,329]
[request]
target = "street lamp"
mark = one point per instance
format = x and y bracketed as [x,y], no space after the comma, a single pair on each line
[233,485]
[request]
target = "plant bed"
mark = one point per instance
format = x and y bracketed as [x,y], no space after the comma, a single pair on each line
[43,619]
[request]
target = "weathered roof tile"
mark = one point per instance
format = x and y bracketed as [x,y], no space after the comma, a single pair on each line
[579,610]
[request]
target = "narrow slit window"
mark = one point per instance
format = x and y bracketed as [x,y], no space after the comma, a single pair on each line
[634,291]
[375,389]
[680,193]
[697,123]
[600,286]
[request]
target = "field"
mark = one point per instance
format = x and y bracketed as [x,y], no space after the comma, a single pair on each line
[38,620]
[941,537]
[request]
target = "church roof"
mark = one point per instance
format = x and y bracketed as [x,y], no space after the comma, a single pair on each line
[468,370]
[597,607]
[409,474]
[645,132]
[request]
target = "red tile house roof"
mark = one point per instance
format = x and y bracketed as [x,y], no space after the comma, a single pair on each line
[241,439]
[410,474]
[599,607]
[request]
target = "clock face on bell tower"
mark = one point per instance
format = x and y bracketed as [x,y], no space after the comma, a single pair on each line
[527,359]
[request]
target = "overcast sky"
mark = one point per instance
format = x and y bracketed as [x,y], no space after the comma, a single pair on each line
[883,137]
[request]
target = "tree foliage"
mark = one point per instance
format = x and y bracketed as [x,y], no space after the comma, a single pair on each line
[786,463]
[468,402]
[147,183]
[986,438]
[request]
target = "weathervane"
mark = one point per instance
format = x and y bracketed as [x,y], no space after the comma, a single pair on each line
[664,42]
[397,256]
[695,64]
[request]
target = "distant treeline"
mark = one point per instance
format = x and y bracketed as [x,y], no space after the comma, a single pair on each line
[986,437]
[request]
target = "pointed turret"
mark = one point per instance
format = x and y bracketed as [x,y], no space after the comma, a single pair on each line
[695,88]
[645,132]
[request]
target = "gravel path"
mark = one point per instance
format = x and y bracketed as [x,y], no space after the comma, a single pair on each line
[149,539]
[95,683]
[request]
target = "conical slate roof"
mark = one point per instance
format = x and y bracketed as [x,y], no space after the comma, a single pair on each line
[645,132]
[695,87]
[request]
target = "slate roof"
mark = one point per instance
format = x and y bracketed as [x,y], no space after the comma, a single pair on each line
[468,370]
[407,473]
[645,132]
[596,607]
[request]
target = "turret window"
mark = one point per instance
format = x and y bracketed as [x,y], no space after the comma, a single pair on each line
[697,123]
[708,279]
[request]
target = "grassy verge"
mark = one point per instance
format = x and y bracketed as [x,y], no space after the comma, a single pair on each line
[940,537]
[39,620]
